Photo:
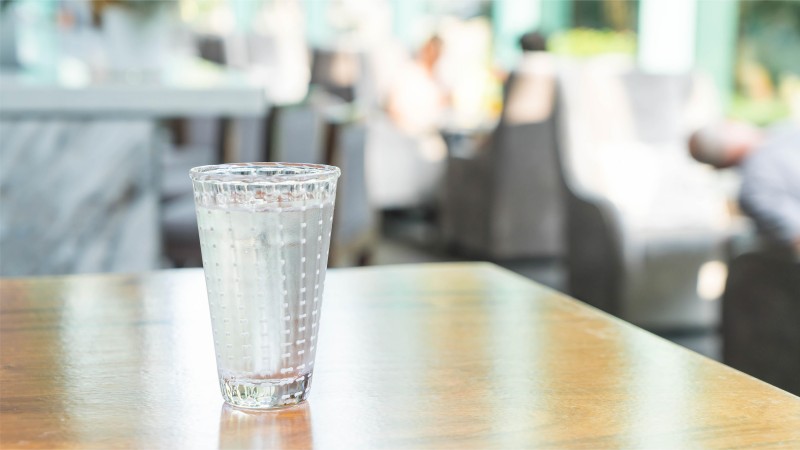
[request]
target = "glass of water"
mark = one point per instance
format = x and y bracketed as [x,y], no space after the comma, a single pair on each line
[265,232]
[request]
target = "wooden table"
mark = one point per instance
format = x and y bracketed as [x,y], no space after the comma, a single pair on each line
[433,356]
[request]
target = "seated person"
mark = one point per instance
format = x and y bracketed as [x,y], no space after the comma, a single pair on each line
[530,89]
[769,163]
[417,100]
[406,153]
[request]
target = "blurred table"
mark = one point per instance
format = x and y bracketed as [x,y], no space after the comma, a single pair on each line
[72,119]
[420,356]
[190,88]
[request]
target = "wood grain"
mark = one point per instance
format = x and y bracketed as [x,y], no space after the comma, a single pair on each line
[422,356]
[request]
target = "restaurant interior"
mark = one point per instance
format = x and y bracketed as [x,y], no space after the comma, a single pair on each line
[606,149]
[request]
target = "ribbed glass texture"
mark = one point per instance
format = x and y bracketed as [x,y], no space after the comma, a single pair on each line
[265,232]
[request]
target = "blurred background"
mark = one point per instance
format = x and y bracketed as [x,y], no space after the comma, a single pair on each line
[642,156]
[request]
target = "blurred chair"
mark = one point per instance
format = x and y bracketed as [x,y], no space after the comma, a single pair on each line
[650,278]
[595,261]
[508,201]
[355,224]
[181,241]
[323,132]
[197,141]
[761,317]
[301,133]
[295,133]
[337,72]
[204,146]
[211,48]
[202,138]
[647,225]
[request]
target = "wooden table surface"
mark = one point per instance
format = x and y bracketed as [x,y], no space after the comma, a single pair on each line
[420,356]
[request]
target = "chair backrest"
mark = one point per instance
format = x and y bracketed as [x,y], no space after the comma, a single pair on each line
[297,134]
[760,313]
[336,71]
[211,48]
[508,201]
[528,213]
[355,222]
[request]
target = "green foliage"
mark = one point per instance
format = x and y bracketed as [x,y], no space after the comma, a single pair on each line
[143,8]
[770,32]
[585,42]
[758,112]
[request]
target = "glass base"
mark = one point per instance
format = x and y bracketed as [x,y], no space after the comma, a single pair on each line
[264,393]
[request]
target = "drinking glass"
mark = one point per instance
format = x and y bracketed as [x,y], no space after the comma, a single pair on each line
[265,231]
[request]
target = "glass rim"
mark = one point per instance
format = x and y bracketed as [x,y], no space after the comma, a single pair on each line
[237,173]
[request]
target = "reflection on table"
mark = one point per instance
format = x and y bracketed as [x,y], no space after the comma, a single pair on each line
[425,356]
